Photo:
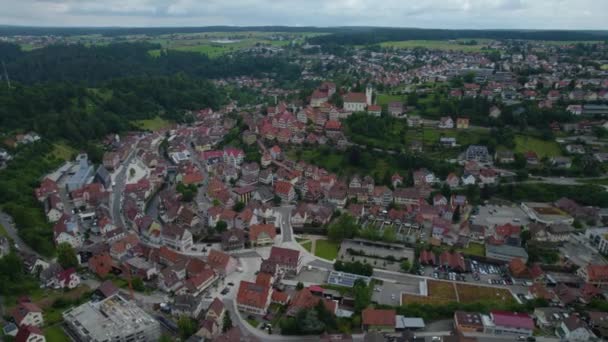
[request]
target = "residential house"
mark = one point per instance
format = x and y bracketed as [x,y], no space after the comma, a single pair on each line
[478,153]
[446,122]
[262,234]
[27,314]
[253,298]
[574,329]
[288,261]
[28,333]
[355,102]
[594,274]
[233,239]
[285,191]
[462,123]
[378,320]
[221,262]
[187,305]
[176,237]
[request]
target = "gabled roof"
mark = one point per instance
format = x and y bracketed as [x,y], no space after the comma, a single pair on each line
[22,309]
[378,317]
[218,260]
[257,229]
[512,319]
[252,294]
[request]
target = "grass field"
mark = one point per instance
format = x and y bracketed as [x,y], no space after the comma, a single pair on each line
[435,45]
[63,151]
[55,334]
[544,148]
[474,249]
[383,99]
[326,249]
[3,231]
[599,181]
[152,124]
[307,245]
[604,67]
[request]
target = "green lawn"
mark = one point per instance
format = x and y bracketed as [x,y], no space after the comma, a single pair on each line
[55,334]
[435,45]
[63,151]
[152,124]
[326,249]
[474,249]
[307,245]
[254,323]
[599,181]
[3,231]
[383,99]
[544,148]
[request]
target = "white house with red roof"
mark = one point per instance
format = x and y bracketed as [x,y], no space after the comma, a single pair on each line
[67,230]
[285,191]
[66,279]
[28,314]
[28,333]
[253,298]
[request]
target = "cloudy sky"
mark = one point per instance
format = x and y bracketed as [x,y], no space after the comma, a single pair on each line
[476,14]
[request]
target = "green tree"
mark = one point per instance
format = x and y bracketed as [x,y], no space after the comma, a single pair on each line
[363,295]
[406,266]
[221,226]
[66,255]
[238,206]
[276,200]
[138,284]
[227,323]
[187,327]
[299,286]
[345,227]
[456,215]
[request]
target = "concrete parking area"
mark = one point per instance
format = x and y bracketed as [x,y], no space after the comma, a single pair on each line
[390,293]
[493,215]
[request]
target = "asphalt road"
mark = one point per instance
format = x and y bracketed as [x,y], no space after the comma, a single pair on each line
[7,222]
[119,187]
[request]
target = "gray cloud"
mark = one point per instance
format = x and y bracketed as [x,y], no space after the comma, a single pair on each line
[533,14]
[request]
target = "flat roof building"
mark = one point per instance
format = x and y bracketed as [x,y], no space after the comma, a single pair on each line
[112,319]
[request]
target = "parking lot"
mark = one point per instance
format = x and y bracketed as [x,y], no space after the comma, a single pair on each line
[390,293]
[493,215]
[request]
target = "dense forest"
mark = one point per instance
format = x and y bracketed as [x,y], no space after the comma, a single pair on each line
[92,65]
[378,35]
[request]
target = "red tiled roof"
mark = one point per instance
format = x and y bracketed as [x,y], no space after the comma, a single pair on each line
[378,317]
[252,294]
[283,187]
[21,310]
[26,331]
[257,229]
[284,256]
[264,279]
[597,272]
[218,259]
[355,97]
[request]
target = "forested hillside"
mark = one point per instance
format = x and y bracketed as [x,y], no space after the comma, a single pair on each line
[92,65]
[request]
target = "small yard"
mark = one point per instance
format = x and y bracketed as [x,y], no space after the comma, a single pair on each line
[544,148]
[326,249]
[154,124]
[474,249]
[254,322]
[443,292]
[55,334]
[63,151]
[384,99]
[307,245]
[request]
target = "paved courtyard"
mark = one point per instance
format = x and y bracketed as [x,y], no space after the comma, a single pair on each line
[492,215]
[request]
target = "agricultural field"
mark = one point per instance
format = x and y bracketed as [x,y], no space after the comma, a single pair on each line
[436,45]
[544,148]
[384,99]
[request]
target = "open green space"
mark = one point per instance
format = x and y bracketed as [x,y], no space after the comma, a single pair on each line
[154,124]
[306,244]
[474,249]
[599,181]
[55,334]
[383,99]
[3,231]
[544,148]
[254,322]
[436,45]
[63,151]
[326,249]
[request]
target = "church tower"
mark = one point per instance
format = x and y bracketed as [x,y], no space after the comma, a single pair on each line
[368,94]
